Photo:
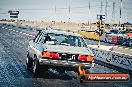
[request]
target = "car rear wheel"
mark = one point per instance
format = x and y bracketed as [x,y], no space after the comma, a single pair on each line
[81,74]
[87,71]
[29,62]
[37,69]
[81,78]
[130,43]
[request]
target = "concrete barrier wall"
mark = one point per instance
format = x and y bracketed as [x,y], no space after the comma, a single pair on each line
[89,35]
[116,59]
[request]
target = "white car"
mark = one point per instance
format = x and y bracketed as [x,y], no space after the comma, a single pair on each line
[63,51]
[110,37]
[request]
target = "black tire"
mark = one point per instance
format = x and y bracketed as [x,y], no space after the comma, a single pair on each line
[106,40]
[29,63]
[87,71]
[60,70]
[37,69]
[130,43]
[81,79]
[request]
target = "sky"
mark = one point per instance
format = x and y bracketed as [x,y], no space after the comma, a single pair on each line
[68,10]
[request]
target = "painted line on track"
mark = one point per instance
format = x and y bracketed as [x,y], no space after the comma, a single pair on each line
[127,48]
[20,32]
[27,34]
[31,35]
[23,33]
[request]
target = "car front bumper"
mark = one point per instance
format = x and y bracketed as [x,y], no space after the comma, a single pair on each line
[65,63]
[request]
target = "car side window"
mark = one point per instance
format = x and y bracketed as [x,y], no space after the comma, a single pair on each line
[47,38]
[41,38]
[37,37]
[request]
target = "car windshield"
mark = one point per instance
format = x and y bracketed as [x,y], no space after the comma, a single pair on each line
[114,31]
[130,32]
[122,32]
[68,40]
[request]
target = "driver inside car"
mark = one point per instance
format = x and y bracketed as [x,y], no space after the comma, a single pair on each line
[47,38]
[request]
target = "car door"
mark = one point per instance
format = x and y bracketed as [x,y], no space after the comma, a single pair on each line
[32,45]
[39,45]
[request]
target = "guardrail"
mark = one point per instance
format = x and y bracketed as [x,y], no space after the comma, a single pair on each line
[86,34]
[118,60]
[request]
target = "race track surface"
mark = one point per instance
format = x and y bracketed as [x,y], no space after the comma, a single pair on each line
[13,71]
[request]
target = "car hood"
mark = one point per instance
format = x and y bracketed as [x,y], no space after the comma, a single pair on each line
[68,49]
[113,34]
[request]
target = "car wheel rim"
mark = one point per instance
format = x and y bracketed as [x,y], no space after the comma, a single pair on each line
[130,44]
[34,67]
[27,61]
